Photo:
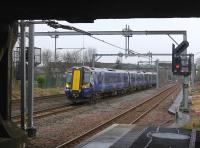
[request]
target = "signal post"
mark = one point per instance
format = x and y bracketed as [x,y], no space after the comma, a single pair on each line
[181,65]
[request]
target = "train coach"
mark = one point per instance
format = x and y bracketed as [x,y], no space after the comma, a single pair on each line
[88,83]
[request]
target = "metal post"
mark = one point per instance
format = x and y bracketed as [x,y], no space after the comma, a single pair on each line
[93,60]
[193,70]
[128,45]
[167,73]
[55,58]
[149,58]
[30,129]
[55,49]
[157,70]
[55,36]
[83,56]
[184,103]
[83,51]
[23,76]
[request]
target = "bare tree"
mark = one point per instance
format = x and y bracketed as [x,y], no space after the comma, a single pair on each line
[76,57]
[46,57]
[67,57]
[73,57]
[118,63]
[198,69]
[87,56]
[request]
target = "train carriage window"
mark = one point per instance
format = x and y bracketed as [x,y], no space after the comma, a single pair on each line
[114,78]
[99,77]
[146,77]
[125,77]
[133,77]
[106,77]
[138,77]
[118,78]
[111,77]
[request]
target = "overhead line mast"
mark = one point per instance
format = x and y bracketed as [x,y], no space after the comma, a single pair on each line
[56,25]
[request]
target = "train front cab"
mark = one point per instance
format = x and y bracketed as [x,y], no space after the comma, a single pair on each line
[78,87]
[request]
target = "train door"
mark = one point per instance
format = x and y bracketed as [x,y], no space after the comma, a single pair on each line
[76,80]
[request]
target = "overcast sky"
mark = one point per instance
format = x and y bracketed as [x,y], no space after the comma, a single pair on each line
[142,44]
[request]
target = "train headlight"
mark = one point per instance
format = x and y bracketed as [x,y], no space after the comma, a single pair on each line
[86,85]
[67,85]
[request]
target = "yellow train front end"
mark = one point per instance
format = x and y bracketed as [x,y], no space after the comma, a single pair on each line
[78,86]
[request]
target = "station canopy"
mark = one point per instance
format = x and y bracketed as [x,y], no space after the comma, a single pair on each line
[90,10]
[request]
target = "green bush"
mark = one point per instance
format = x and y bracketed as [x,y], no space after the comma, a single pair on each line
[41,81]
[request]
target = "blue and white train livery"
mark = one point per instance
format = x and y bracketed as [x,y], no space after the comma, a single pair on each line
[86,83]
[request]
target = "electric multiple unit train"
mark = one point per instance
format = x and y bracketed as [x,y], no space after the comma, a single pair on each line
[86,83]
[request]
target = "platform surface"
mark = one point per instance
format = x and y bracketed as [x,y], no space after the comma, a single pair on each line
[130,136]
[108,137]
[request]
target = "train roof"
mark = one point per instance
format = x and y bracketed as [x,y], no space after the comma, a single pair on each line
[109,69]
[96,69]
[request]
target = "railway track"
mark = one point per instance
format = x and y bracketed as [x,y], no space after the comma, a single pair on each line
[16,101]
[130,116]
[16,118]
[47,112]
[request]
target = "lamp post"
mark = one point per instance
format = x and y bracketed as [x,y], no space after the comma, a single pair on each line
[55,36]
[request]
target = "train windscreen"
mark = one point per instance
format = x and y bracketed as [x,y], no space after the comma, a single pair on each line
[86,77]
[69,77]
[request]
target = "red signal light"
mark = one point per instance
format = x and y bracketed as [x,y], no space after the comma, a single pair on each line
[177,66]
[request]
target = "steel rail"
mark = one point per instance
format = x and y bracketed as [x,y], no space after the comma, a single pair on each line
[41,98]
[154,106]
[142,108]
[107,123]
[47,112]
[16,118]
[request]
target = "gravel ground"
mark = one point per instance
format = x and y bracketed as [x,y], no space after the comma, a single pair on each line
[54,130]
[195,109]
[159,115]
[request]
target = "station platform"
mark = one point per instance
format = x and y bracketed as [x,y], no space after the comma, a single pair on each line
[176,104]
[130,136]
[180,117]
